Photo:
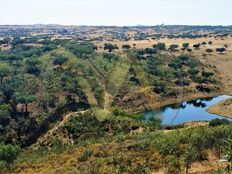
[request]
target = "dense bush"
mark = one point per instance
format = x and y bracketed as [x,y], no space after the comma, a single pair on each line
[189,145]
[88,126]
[110,57]
[185,45]
[59,60]
[110,47]
[209,50]
[82,50]
[159,46]
[9,152]
[126,47]
[220,50]
[218,122]
[197,46]
[173,47]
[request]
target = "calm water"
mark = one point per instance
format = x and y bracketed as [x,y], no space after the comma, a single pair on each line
[194,110]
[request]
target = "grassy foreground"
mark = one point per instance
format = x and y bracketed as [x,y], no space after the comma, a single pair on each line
[115,145]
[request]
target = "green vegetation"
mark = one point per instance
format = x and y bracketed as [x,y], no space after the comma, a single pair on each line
[159,46]
[218,122]
[221,50]
[173,47]
[197,46]
[87,126]
[209,50]
[148,151]
[185,45]
[82,50]
[8,153]
[126,47]
[110,47]
[43,79]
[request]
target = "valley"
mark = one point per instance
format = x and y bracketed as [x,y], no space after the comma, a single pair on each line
[98,99]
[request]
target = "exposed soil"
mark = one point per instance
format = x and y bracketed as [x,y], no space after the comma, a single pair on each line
[223,108]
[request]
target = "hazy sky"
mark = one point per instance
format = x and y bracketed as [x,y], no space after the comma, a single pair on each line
[116,12]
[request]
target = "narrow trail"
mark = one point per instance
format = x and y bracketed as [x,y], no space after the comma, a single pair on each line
[54,129]
[107,100]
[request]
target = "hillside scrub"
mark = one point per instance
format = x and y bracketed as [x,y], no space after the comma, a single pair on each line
[37,81]
[42,83]
[174,151]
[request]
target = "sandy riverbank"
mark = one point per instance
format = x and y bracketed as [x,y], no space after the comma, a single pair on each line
[224,108]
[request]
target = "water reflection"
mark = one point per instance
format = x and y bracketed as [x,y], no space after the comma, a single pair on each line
[197,103]
[194,110]
[178,106]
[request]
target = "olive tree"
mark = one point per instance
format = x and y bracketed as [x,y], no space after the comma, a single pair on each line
[126,47]
[4,71]
[24,99]
[159,46]
[173,47]
[190,156]
[221,50]
[9,152]
[185,45]
[110,47]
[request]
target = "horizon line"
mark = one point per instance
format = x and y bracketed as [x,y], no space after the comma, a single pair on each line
[104,25]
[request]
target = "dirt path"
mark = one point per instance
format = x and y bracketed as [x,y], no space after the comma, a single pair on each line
[107,100]
[54,130]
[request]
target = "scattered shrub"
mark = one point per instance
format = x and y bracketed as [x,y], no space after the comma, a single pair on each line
[218,122]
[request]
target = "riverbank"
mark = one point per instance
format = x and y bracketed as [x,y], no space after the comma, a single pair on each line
[223,108]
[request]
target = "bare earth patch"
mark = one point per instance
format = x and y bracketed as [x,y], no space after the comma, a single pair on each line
[223,108]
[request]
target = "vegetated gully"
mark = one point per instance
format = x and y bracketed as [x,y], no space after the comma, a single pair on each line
[54,118]
[193,110]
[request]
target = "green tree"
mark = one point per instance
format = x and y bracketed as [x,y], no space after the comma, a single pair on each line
[193,71]
[152,65]
[24,99]
[204,43]
[159,46]
[126,47]
[9,152]
[140,54]
[59,60]
[32,66]
[228,154]
[5,110]
[190,156]
[207,74]
[197,46]
[150,51]
[220,50]
[209,50]
[185,45]
[17,42]
[82,50]
[110,57]
[110,47]
[172,164]
[4,72]
[173,47]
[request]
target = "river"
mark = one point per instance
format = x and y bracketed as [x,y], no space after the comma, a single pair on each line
[194,110]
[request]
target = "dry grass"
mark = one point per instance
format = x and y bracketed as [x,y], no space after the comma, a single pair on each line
[69,161]
[217,42]
[223,108]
